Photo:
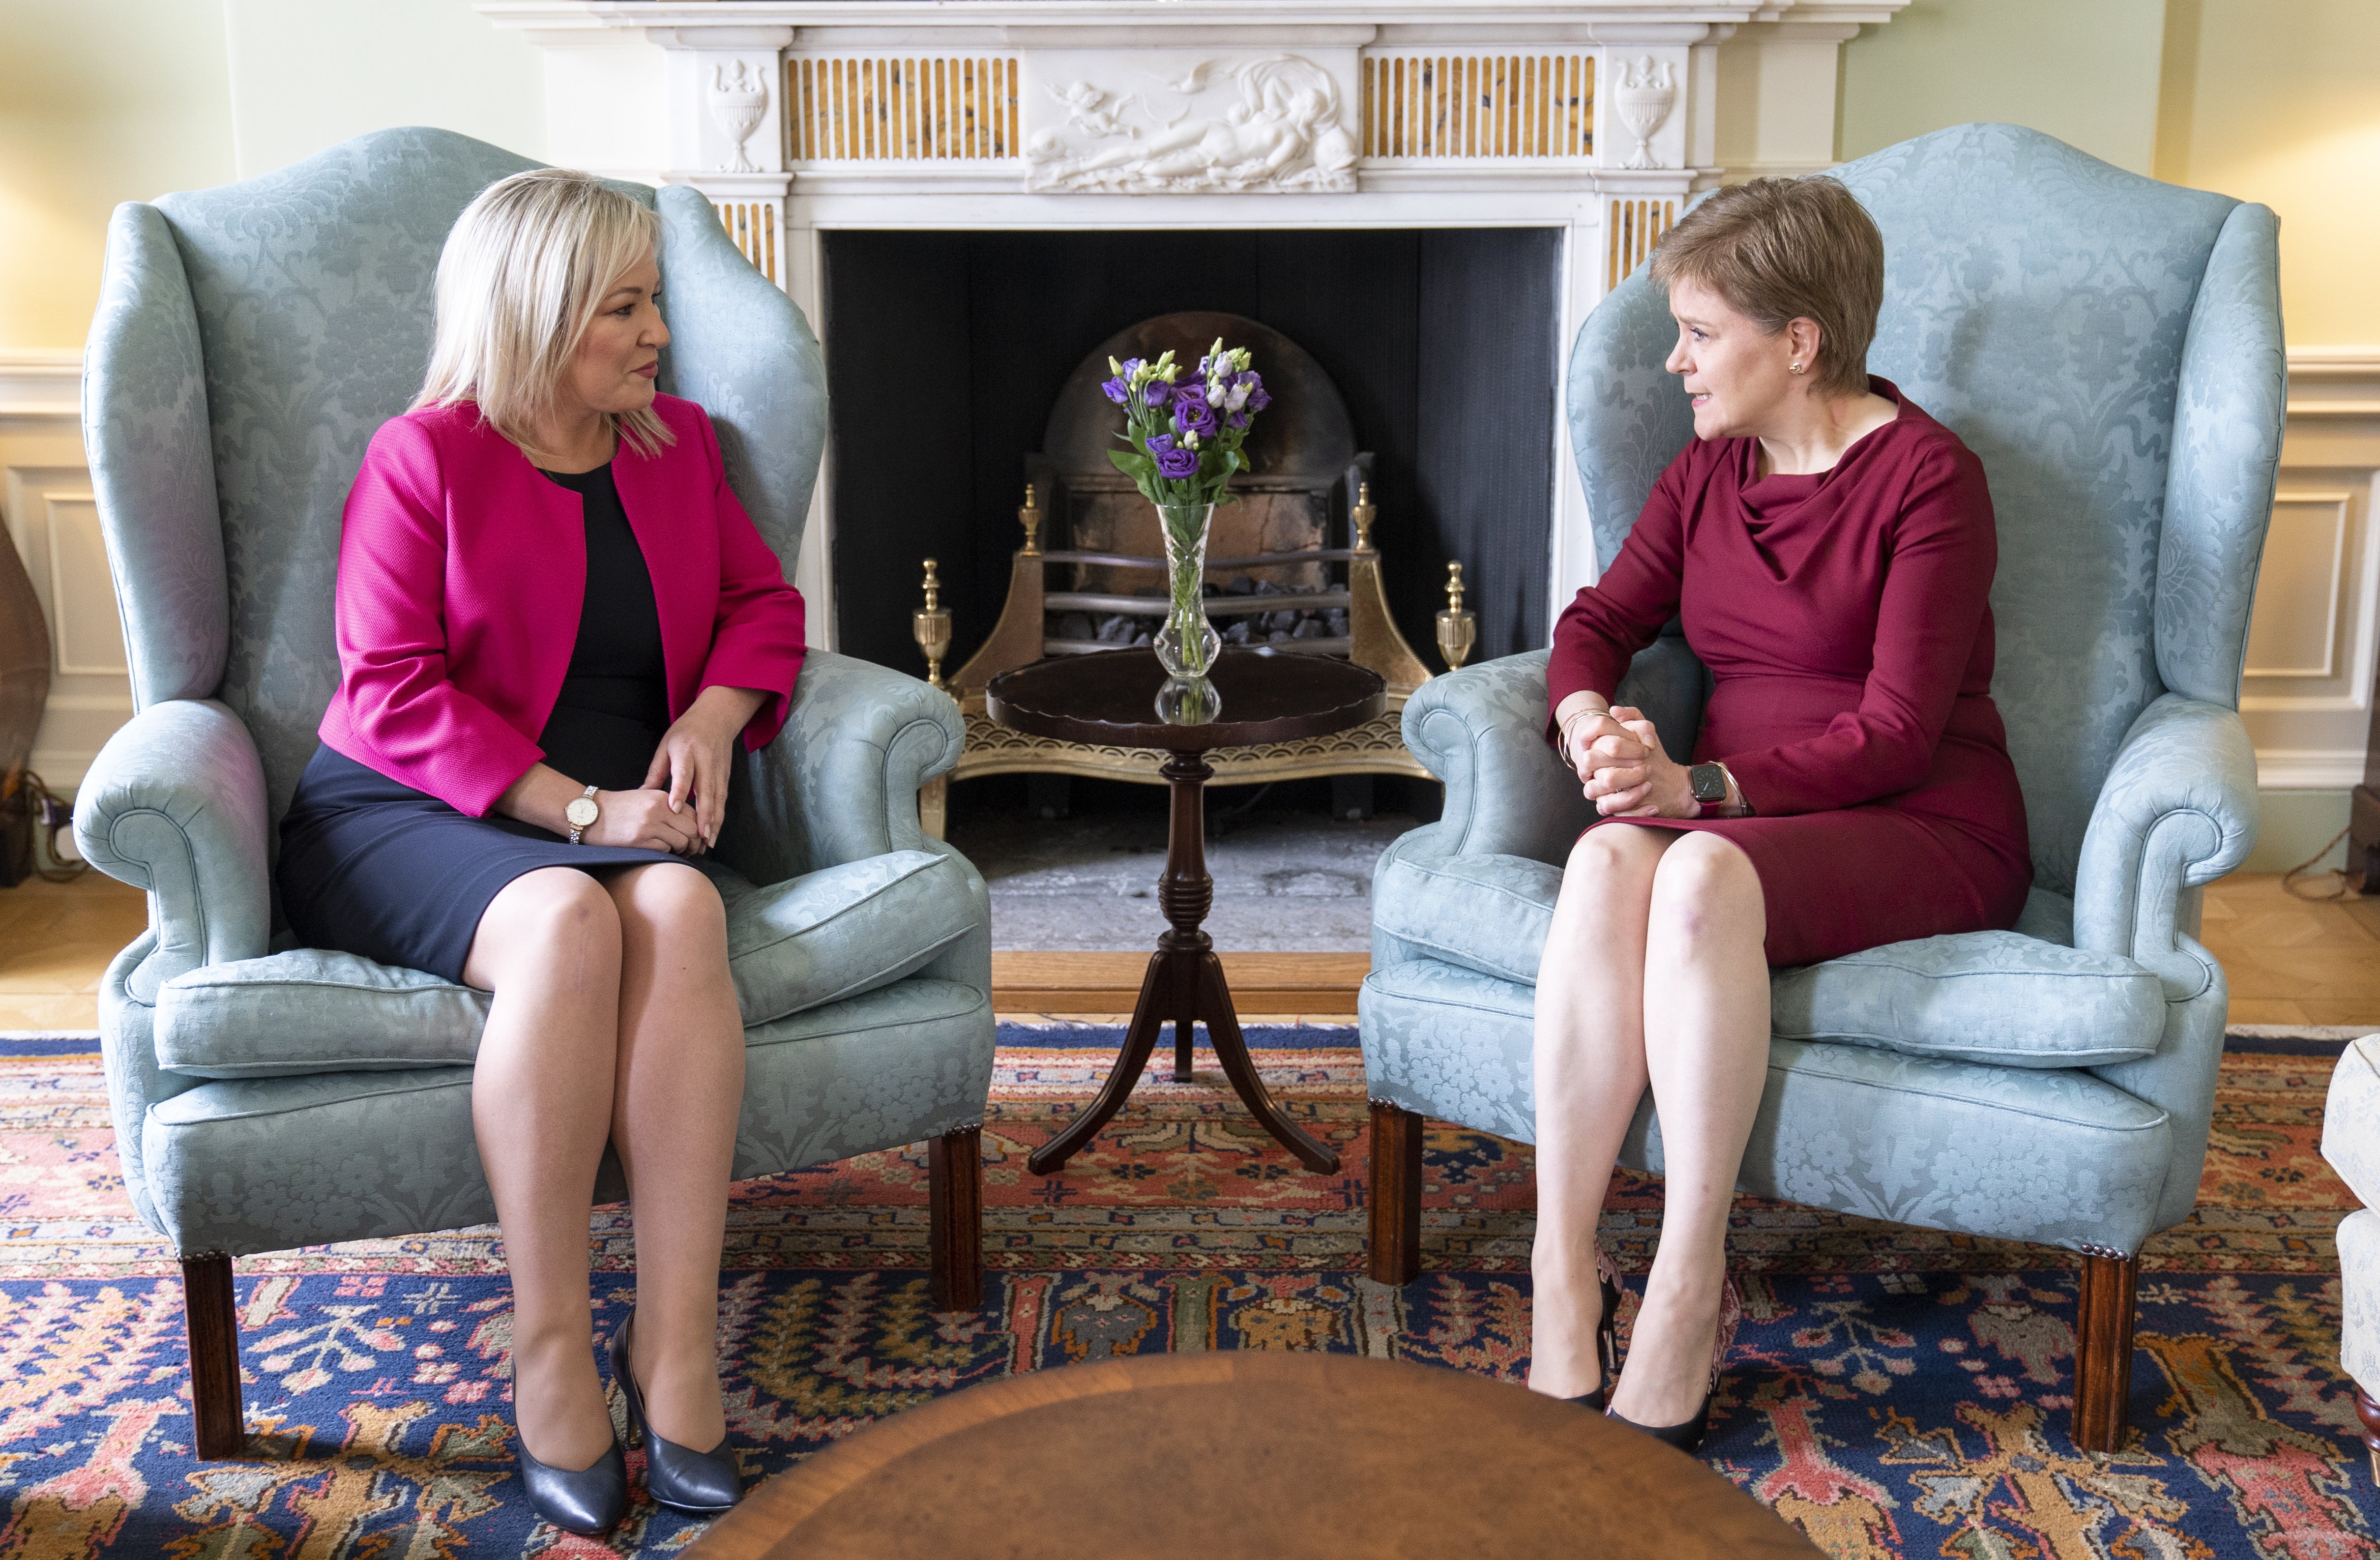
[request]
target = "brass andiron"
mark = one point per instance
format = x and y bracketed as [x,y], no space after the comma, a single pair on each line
[931,626]
[1364,515]
[1458,629]
[1028,515]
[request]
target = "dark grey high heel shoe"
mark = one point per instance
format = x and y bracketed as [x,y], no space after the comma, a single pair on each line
[1688,1436]
[1607,1332]
[589,1502]
[698,1483]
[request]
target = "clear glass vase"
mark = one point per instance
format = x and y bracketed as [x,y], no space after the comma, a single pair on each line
[1188,644]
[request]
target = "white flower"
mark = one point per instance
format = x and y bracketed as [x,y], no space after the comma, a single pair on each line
[1214,394]
[1189,440]
[1234,400]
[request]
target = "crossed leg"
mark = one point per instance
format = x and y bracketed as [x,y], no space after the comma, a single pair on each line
[1654,973]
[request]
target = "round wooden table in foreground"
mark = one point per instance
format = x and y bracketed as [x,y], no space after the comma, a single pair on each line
[1248,1453]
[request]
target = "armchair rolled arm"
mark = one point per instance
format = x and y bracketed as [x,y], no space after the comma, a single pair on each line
[2178,809]
[839,783]
[174,804]
[1482,730]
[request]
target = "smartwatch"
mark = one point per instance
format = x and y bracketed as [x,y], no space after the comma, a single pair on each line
[1708,782]
[582,812]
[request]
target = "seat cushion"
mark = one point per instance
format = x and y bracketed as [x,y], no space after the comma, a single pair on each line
[791,946]
[1997,997]
[2350,1121]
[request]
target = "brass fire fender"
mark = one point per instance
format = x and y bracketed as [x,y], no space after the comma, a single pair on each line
[1375,747]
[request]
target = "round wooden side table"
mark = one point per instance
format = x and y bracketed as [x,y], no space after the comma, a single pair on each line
[1232,1454]
[1109,699]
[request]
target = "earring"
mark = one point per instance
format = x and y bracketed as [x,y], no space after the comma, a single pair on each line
[1797,368]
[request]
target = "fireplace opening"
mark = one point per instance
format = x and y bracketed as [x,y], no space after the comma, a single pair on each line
[945,351]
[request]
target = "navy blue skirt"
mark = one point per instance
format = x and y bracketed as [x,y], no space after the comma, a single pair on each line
[373,867]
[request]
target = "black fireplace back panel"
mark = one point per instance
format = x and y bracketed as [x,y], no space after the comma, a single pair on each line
[946,349]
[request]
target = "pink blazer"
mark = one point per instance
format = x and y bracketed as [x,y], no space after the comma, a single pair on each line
[461,575]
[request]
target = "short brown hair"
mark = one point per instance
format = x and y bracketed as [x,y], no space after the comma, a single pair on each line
[1780,250]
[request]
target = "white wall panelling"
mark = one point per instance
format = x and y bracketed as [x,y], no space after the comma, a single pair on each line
[46,509]
[2313,646]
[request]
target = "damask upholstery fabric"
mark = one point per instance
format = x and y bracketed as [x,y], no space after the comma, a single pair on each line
[144,402]
[2358,1294]
[252,339]
[311,1010]
[792,946]
[2074,325]
[2351,1120]
[243,1166]
[2046,1155]
[1997,997]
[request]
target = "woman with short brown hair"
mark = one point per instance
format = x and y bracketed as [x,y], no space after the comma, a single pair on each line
[1830,549]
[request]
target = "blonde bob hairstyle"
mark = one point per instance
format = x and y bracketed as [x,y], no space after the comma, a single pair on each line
[522,276]
[1780,250]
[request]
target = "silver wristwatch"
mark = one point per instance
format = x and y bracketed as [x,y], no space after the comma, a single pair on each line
[581,814]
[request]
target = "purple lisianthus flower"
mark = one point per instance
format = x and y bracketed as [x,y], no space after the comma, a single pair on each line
[1176,463]
[1157,444]
[1259,397]
[1114,390]
[1191,412]
[1157,392]
[1238,419]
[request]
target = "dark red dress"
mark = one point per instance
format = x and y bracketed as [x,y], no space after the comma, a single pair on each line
[1846,619]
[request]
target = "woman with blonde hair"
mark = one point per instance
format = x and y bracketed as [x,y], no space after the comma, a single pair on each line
[1830,549]
[555,622]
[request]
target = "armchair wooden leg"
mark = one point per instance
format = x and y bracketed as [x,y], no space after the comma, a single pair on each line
[2103,1350]
[212,1311]
[955,1170]
[1395,1194]
[2369,1412]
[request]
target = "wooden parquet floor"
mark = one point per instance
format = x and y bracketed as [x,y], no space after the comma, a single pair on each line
[2289,961]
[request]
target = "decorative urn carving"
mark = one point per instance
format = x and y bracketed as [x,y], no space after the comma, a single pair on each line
[1647,92]
[739,99]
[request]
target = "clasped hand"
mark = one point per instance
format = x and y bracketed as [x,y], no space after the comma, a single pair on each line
[1626,772]
[684,798]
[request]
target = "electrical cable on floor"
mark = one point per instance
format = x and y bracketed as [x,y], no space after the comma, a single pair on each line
[56,814]
[2345,887]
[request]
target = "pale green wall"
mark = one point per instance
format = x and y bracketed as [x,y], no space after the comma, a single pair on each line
[307,74]
[2082,70]
[101,101]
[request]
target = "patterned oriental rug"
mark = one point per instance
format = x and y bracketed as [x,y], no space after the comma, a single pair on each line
[1893,1391]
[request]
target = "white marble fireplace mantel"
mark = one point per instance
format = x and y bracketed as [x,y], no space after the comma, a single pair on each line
[1600,119]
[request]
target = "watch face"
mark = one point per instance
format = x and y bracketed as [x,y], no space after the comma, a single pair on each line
[1709,780]
[581,812]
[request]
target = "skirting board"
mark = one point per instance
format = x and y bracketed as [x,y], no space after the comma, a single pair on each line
[1110,982]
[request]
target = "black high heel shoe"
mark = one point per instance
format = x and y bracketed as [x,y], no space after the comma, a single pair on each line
[589,1502]
[1607,1332]
[698,1483]
[1688,1436]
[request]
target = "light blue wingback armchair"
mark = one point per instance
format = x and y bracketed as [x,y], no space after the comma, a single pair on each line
[247,341]
[2111,349]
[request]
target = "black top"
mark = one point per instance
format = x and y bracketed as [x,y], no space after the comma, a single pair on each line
[615,701]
